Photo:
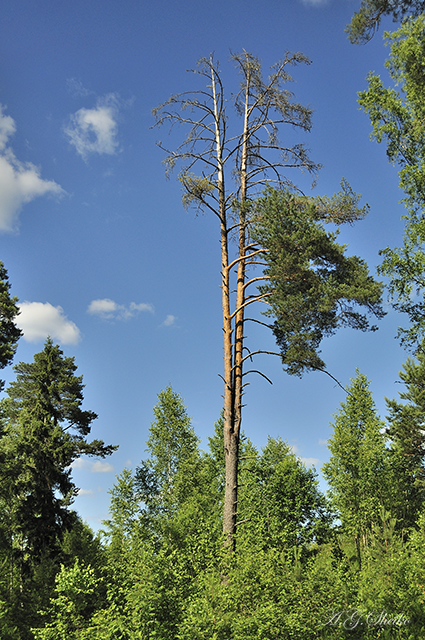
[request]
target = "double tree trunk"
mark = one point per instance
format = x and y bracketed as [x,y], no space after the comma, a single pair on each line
[233,350]
[264,105]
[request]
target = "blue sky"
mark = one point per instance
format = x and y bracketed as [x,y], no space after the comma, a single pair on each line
[99,249]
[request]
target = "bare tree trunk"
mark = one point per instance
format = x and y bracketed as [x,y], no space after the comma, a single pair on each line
[207,147]
[231,444]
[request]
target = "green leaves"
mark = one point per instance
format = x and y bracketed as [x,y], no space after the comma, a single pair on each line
[397,118]
[70,608]
[357,471]
[313,288]
[279,500]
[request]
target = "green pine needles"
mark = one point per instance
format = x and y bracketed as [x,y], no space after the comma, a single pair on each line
[312,287]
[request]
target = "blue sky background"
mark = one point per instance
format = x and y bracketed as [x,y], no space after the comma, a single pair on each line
[99,250]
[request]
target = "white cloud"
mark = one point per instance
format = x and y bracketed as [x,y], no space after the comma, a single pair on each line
[315,3]
[19,182]
[310,462]
[307,461]
[76,88]
[7,128]
[143,306]
[323,442]
[102,467]
[169,320]
[93,467]
[105,308]
[95,130]
[80,463]
[39,320]
[85,492]
[109,310]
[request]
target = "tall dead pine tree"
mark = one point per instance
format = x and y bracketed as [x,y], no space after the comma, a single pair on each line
[221,173]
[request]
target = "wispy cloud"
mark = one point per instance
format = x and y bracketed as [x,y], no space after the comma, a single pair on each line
[310,462]
[39,320]
[76,88]
[322,442]
[85,492]
[169,320]
[315,3]
[19,182]
[95,130]
[109,310]
[102,467]
[93,467]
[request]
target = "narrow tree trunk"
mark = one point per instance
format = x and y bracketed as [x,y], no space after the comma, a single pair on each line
[232,432]
[231,444]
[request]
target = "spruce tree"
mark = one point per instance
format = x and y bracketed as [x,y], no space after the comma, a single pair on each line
[9,332]
[44,431]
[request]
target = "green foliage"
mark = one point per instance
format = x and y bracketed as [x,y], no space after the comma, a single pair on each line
[42,411]
[405,430]
[124,506]
[313,288]
[366,21]
[279,500]
[397,118]
[80,542]
[45,430]
[357,471]
[9,332]
[168,577]
[72,604]
[340,208]
[164,480]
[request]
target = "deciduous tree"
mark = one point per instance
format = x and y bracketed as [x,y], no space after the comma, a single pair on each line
[357,471]
[397,117]
[406,421]
[280,503]
[164,479]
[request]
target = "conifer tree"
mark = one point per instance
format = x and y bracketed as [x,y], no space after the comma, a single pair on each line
[45,430]
[9,332]
[233,165]
[312,287]
[367,19]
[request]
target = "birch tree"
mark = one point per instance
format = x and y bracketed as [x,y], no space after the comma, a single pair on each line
[397,117]
[223,172]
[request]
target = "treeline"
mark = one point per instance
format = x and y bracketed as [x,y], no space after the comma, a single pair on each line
[307,565]
[236,543]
